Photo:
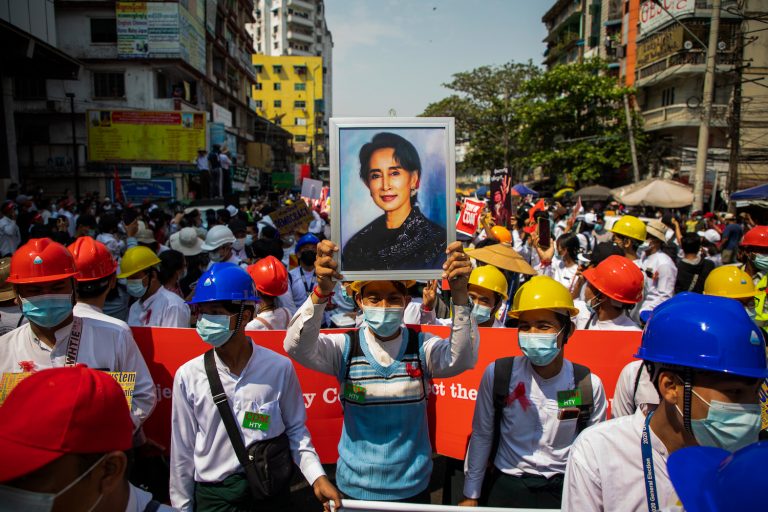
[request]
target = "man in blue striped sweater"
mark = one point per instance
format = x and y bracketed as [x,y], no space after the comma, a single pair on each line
[383,371]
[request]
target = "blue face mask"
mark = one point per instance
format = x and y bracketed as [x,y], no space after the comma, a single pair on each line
[592,306]
[47,310]
[761,262]
[540,347]
[248,239]
[384,321]
[481,313]
[214,329]
[136,287]
[730,426]
[598,228]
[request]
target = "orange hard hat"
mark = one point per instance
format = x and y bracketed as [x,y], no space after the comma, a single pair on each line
[502,234]
[270,276]
[41,260]
[756,237]
[617,278]
[92,258]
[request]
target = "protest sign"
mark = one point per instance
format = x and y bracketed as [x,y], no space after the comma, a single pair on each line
[469,216]
[127,381]
[452,400]
[290,218]
[501,199]
[311,189]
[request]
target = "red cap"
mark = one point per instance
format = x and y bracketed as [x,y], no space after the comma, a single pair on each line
[618,278]
[709,215]
[41,260]
[756,237]
[270,276]
[59,411]
[92,258]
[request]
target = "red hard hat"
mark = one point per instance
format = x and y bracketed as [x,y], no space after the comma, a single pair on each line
[41,260]
[93,259]
[756,237]
[270,276]
[618,278]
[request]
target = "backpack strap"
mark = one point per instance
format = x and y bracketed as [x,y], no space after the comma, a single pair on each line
[265,323]
[502,376]
[637,385]
[152,506]
[583,379]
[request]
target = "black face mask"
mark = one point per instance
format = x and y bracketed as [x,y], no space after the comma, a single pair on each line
[307,258]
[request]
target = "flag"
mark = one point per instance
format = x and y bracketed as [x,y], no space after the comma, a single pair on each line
[118,188]
[538,207]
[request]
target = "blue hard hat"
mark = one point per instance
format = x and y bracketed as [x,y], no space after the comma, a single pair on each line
[224,281]
[704,332]
[709,479]
[308,239]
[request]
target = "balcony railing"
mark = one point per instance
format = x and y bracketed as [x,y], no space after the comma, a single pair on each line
[299,36]
[690,58]
[301,4]
[300,20]
[679,115]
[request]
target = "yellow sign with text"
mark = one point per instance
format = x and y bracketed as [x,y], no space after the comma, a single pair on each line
[145,136]
[127,381]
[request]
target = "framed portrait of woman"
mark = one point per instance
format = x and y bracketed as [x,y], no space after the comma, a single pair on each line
[392,196]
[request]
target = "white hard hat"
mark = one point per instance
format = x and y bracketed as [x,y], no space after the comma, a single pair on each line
[217,236]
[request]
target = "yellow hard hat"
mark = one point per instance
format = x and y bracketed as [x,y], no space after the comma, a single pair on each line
[490,278]
[631,227]
[356,286]
[502,234]
[542,292]
[137,259]
[731,282]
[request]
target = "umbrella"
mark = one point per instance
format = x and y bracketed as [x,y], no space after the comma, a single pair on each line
[755,193]
[524,191]
[502,256]
[482,191]
[594,193]
[655,192]
[563,192]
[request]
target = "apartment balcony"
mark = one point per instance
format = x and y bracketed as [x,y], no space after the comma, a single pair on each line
[681,64]
[681,115]
[301,53]
[301,4]
[562,14]
[300,36]
[301,21]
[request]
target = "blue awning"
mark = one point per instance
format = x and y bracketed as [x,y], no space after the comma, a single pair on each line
[755,193]
[612,23]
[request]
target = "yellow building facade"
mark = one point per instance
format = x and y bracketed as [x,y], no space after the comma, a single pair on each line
[289,92]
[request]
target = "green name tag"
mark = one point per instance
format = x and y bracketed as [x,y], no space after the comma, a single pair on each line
[569,398]
[256,421]
[354,393]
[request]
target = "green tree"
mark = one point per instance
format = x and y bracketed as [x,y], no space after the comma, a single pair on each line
[573,124]
[485,107]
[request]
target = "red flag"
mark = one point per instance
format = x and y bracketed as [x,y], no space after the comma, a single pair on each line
[577,208]
[118,188]
[538,207]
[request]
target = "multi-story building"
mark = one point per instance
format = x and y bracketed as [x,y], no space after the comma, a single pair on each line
[191,56]
[573,31]
[297,28]
[289,92]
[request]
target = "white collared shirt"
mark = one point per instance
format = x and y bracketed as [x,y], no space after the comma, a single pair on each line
[626,400]
[606,472]
[200,447]
[163,309]
[585,320]
[138,501]
[103,346]
[533,440]
[273,320]
[325,352]
[661,285]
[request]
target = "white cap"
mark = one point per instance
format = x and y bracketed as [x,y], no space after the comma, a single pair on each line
[217,236]
[710,235]
[232,210]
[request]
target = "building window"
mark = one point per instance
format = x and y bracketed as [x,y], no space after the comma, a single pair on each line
[278,103]
[259,86]
[299,104]
[300,138]
[276,86]
[668,97]
[275,45]
[299,86]
[103,30]
[108,85]
[278,121]
[259,103]
[299,121]
[277,69]
[300,69]
[258,68]
[29,88]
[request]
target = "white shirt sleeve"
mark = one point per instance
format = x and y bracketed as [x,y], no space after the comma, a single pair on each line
[144,397]
[482,436]
[600,410]
[182,478]
[623,403]
[452,356]
[582,487]
[176,315]
[294,418]
[429,318]
[305,345]
[667,278]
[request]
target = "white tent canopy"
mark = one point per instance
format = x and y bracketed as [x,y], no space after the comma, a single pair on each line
[655,192]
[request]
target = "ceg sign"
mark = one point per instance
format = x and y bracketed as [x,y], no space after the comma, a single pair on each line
[653,15]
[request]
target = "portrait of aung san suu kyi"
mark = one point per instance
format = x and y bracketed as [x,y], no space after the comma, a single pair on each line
[393,198]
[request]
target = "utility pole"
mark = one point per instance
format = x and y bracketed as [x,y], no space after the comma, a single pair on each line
[632,148]
[734,122]
[75,162]
[709,82]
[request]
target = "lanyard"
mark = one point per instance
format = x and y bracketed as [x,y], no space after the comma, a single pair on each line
[73,345]
[307,287]
[651,492]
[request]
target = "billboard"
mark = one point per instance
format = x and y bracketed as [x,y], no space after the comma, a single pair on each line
[653,16]
[145,136]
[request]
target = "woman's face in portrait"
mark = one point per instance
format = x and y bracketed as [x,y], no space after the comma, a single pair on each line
[390,185]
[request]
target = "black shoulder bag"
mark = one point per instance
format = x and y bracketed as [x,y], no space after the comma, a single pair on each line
[268,465]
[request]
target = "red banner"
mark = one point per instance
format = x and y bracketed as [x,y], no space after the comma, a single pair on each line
[451,405]
[469,216]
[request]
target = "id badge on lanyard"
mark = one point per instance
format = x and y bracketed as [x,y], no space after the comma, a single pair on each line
[651,492]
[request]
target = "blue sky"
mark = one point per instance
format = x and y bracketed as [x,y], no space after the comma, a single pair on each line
[395,54]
